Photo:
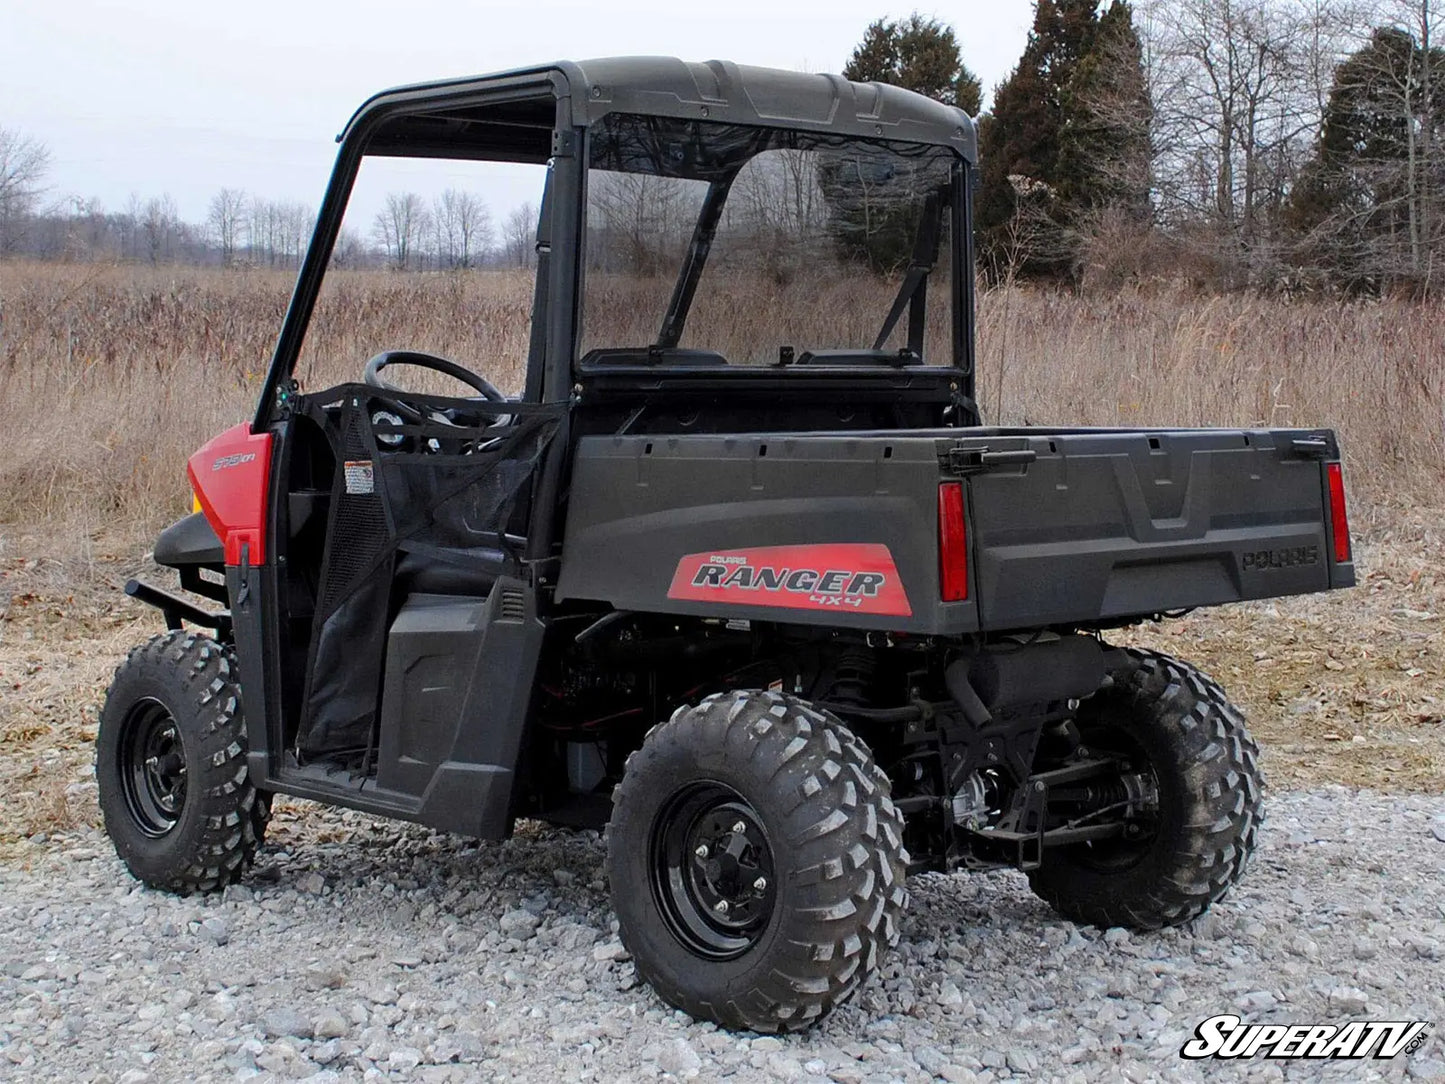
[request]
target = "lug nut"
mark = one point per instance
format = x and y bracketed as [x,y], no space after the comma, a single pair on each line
[739,828]
[701,851]
[761,884]
[721,907]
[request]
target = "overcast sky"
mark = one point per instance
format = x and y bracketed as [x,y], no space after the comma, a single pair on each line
[186,96]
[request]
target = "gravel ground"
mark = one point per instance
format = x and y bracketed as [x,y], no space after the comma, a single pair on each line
[363,949]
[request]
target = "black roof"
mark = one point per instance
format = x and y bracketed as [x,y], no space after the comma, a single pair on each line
[715,90]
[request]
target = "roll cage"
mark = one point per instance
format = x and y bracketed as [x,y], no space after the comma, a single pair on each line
[544,115]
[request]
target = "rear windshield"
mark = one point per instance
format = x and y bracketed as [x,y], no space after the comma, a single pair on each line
[718,243]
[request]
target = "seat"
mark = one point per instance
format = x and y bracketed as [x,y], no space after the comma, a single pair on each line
[471,572]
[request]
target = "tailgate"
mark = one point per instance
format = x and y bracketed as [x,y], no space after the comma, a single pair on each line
[1073,526]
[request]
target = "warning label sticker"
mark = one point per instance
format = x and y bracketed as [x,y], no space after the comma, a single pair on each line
[359,477]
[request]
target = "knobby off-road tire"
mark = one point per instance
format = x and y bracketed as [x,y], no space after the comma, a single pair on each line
[1210,803]
[171,767]
[817,825]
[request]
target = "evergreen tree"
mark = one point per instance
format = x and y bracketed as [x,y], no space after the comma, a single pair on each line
[1366,205]
[920,54]
[875,197]
[1019,141]
[1104,145]
[1067,138]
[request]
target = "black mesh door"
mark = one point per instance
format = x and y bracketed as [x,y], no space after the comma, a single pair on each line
[443,480]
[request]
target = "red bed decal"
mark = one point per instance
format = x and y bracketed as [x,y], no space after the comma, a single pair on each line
[854,577]
[230,476]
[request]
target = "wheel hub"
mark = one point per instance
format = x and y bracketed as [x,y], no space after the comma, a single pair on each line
[153,767]
[731,869]
[712,870]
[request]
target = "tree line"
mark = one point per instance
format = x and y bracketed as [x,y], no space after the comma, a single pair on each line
[1266,143]
[1295,144]
[453,231]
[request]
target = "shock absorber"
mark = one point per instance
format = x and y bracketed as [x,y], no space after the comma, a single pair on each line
[852,677]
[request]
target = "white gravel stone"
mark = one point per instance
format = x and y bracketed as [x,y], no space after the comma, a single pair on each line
[1348,999]
[680,1059]
[949,995]
[519,924]
[404,1059]
[329,1024]
[215,930]
[1257,1001]
[1427,1069]
[609,951]
[283,1021]
[426,957]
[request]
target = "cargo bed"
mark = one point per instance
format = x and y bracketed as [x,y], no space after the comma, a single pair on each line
[1064,527]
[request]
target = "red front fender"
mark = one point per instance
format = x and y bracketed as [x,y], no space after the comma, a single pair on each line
[231,476]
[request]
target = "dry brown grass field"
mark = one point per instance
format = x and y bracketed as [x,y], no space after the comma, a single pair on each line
[111,376]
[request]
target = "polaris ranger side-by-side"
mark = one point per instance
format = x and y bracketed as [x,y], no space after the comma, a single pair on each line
[788,618]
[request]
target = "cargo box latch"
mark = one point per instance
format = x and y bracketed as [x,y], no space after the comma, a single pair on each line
[975,460]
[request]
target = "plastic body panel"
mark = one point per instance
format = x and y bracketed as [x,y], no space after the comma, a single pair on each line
[231,476]
[455,755]
[189,541]
[642,506]
[1109,525]
[1065,527]
[431,653]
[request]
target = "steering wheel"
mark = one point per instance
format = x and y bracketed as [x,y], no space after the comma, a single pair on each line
[480,384]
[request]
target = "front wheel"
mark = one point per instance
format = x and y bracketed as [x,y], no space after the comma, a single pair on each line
[1174,727]
[170,766]
[756,861]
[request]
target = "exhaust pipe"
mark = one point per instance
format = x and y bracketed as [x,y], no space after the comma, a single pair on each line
[1068,668]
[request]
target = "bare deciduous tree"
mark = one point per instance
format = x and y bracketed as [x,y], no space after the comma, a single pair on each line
[400,227]
[349,251]
[278,231]
[519,236]
[647,219]
[225,219]
[463,228]
[159,223]
[23,164]
[1412,95]
[1239,88]
[1368,205]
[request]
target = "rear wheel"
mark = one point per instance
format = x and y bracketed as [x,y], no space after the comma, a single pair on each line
[756,861]
[1188,747]
[171,767]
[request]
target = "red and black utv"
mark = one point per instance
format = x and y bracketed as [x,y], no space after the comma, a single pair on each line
[789,618]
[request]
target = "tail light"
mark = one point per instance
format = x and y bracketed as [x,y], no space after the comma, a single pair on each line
[952,543]
[1339,517]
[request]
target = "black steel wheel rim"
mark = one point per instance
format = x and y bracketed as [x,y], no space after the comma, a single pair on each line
[153,767]
[711,866]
